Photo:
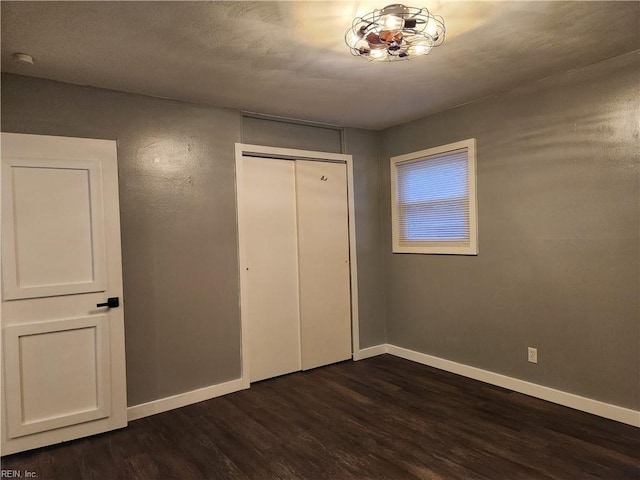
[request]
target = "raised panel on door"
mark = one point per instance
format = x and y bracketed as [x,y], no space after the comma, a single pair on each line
[323,246]
[53,243]
[269,230]
[63,356]
[59,371]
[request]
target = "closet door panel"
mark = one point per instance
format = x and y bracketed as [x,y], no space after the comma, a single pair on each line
[269,199]
[323,256]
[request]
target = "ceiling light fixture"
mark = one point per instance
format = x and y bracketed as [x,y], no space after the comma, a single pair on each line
[395,32]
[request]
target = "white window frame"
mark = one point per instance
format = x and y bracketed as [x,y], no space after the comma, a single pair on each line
[445,247]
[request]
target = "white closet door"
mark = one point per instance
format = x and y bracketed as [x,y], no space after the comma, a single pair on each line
[323,246]
[269,227]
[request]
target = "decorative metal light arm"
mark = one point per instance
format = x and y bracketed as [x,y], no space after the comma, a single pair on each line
[396,32]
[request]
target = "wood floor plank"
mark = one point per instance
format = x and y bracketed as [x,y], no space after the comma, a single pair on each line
[380,418]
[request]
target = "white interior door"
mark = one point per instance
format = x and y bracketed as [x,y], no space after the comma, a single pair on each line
[63,355]
[323,246]
[269,227]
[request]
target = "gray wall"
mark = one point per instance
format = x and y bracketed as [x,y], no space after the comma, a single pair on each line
[178,220]
[289,134]
[364,146]
[559,212]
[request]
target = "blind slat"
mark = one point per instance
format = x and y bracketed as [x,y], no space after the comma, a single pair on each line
[433,198]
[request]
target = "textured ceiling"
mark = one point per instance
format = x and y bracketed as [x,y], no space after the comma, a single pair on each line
[288,58]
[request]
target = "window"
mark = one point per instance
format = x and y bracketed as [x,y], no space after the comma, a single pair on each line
[433,200]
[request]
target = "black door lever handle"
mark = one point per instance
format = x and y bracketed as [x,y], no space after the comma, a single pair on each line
[113,302]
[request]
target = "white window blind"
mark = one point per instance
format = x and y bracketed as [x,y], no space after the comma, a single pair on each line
[433,202]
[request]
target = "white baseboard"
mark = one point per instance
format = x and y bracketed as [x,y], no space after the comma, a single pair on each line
[371,352]
[613,412]
[183,399]
[606,410]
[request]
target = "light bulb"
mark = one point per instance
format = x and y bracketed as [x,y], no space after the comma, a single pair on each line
[391,22]
[421,47]
[379,54]
[433,28]
[362,45]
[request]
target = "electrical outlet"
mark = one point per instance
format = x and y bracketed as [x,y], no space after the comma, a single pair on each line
[532,354]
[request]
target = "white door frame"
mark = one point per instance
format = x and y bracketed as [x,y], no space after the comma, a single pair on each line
[292,154]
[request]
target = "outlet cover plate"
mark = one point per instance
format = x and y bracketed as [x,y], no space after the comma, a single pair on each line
[532,354]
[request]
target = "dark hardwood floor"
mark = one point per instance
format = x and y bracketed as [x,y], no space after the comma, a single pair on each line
[381,418]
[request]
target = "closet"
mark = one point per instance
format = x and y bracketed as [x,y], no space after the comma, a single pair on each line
[294,236]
